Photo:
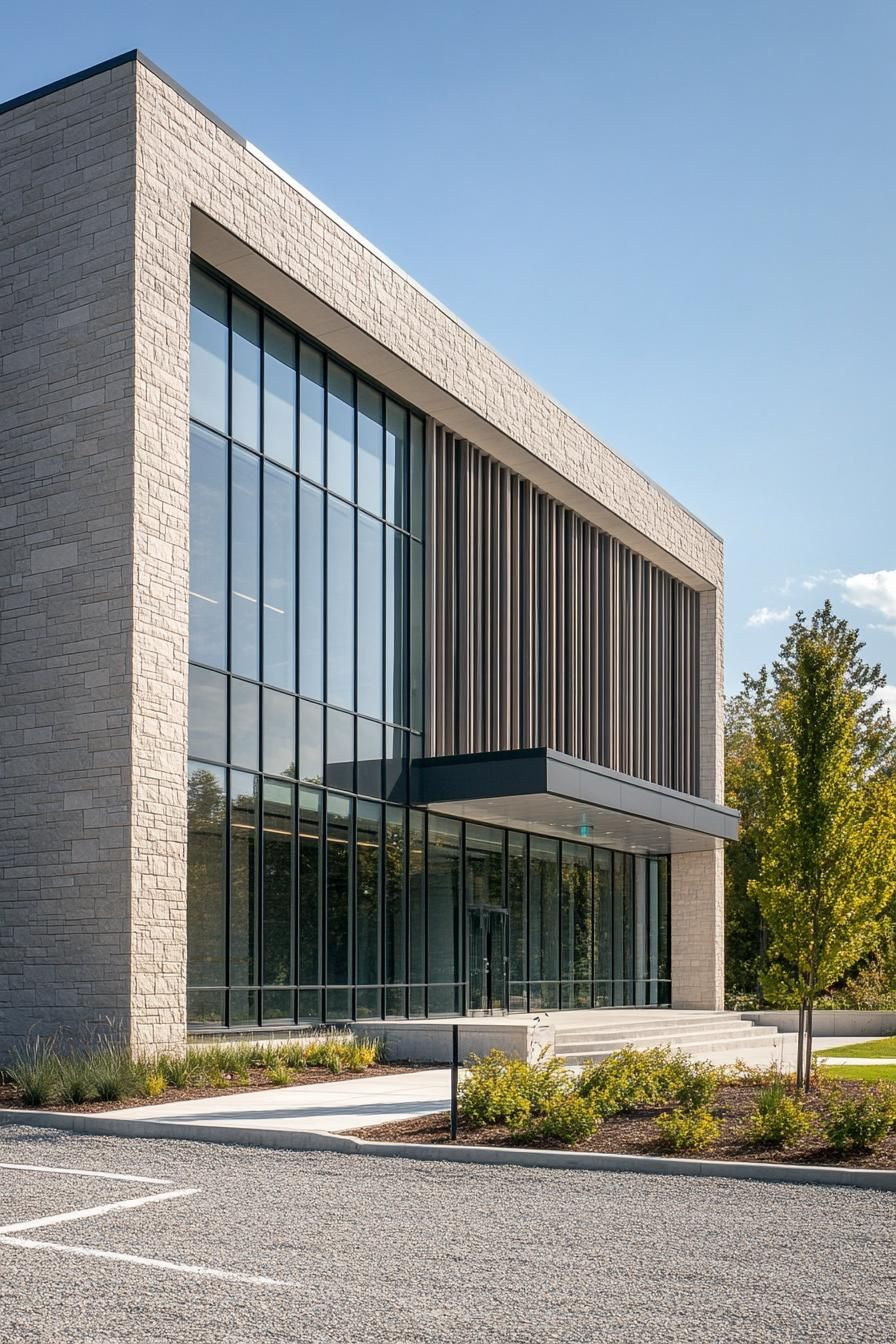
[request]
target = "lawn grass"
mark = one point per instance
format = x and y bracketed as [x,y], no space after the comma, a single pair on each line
[861,1073]
[882,1049]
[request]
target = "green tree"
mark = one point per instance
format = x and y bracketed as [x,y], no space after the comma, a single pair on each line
[744,927]
[827,862]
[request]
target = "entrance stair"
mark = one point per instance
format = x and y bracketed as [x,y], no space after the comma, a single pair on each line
[596,1035]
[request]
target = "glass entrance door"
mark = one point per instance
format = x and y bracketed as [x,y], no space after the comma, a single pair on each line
[487,960]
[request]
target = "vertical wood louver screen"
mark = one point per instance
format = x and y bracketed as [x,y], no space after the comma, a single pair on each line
[545,631]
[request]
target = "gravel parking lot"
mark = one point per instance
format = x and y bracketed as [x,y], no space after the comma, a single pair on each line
[371,1249]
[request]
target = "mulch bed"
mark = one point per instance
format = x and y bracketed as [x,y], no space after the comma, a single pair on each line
[258,1082]
[636,1132]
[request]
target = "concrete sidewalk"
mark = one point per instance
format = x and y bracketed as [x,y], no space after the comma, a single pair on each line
[328,1107]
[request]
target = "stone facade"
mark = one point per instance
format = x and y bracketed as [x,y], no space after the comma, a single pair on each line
[698,930]
[100,186]
[66,557]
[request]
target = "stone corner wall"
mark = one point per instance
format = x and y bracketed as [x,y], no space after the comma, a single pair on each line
[67,165]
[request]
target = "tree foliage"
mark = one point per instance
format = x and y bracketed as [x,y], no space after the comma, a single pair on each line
[744,930]
[826,827]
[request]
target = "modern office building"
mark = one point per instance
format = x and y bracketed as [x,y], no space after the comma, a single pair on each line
[345,676]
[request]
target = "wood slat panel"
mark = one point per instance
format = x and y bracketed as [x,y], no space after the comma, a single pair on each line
[544,631]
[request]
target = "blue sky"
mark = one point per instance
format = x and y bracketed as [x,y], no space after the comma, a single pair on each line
[676,218]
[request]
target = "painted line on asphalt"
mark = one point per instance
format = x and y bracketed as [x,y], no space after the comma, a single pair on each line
[150,1262]
[82,1171]
[97,1211]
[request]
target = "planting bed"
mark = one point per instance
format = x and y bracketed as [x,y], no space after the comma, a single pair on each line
[258,1082]
[636,1132]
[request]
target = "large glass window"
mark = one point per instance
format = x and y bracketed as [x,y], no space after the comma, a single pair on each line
[544,923]
[484,858]
[368,844]
[245,535]
[207,726]
[395,625]
[208,350]
[244,851]
[279,577]
[311,604]
[208,548]
[444,909]
[244,723]
[277,839]
[370,616]
[311,408]
[394,958]
[310,872]
[340,431]
[246,389]
[396,463]
[341,604]
[517,912]
[206,876]
[370,448]
[339,905]
[578,931]
[280,393]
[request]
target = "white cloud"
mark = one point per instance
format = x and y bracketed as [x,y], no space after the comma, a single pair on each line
[882,625]
[766,616]
[877,591]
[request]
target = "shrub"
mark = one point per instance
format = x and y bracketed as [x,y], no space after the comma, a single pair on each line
[565,1118]
[154,1084]
[34,1072]
[499,1090]
[777,1118]
[686,1131]
[697,1087]
[630,1079]
[859,1122]
[278,1075]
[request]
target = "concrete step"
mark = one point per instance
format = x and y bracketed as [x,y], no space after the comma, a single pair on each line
[582,1053]
[574,1036]
[569,1035]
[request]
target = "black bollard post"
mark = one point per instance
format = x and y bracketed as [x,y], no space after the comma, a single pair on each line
[455,1064]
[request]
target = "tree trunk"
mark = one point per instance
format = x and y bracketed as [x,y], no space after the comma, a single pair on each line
[801,1029]
[808,1066]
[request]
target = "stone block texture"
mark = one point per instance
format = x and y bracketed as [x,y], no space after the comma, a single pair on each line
[698,930]
[99,183]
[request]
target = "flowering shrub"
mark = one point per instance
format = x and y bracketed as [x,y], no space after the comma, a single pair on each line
[686,1131]
[566,1118]
[862,1121]
[499,1090]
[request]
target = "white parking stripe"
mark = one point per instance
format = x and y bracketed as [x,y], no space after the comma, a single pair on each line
[260,1279]
[97,1210]
[78,1171]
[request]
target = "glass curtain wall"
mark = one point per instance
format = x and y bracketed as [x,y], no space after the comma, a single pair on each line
[314,892]
[306,673]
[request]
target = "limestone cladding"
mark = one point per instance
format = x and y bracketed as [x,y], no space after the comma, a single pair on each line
[67,207]
[698,930]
